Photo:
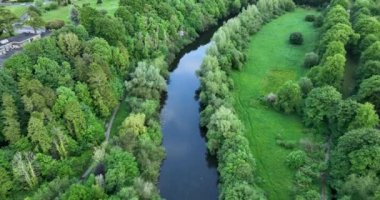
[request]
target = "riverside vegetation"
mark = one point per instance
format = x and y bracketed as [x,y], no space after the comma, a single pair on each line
[58,92]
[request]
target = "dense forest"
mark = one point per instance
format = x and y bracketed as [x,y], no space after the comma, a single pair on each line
[59,93]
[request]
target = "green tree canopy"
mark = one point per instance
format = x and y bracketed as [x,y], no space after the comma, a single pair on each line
[34,20]
[320,105]
[12,129]
[121,169]
[7,18]
[289,97]
[369,91]
[357,152]
[146,82]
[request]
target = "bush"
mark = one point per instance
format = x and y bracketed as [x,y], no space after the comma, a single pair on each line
[55,24]
[51,6]
[306,85]
[311,60]
[289,97]
[271,98]
[318,21]
[310,18]
[296,38]
[287,144]
[296,159]
[289,6]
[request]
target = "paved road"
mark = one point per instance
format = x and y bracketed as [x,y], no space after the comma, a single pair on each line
[15,4]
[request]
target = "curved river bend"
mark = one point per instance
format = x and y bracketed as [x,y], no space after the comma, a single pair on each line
[187,173]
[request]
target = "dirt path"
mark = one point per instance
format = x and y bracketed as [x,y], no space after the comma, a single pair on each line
[110,123]
[324,175]
[107,136]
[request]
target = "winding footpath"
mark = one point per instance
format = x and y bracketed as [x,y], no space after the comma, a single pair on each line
[106,139]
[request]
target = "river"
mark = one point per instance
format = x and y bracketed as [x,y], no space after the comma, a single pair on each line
[188,172]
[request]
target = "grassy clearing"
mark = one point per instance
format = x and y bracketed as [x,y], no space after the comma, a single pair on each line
[63,13]
[271,62]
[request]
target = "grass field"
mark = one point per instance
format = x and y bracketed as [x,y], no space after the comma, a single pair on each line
[18,10]
[63,12]
[271,62]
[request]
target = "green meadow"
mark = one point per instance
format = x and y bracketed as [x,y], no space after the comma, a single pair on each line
[271,62]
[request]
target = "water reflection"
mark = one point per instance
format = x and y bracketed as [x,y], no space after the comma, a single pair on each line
[188,172]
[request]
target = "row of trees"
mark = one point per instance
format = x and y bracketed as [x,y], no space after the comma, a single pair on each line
[331,48]
[224,129]
[354,161]
[368,74]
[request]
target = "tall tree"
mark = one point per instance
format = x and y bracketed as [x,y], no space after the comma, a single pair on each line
[357,153]
[320,106]
[146,82]
[6,183]
[121,169]
[69,44]
[332,71]
[223,124]
[366,117]
[11,128]
[24,168]
[38,133]
[369,91]
[68,107]
[7,18]
[34,20]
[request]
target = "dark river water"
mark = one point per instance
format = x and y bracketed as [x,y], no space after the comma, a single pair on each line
[188,172]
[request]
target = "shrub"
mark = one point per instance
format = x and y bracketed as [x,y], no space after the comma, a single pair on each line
[306,85]
[55,24]
[296,38]
[287,144]
[318,21]
[311,60]
[271,98]
[296,159]
[310,18]
[289,97]
[289,6]
[51,6]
